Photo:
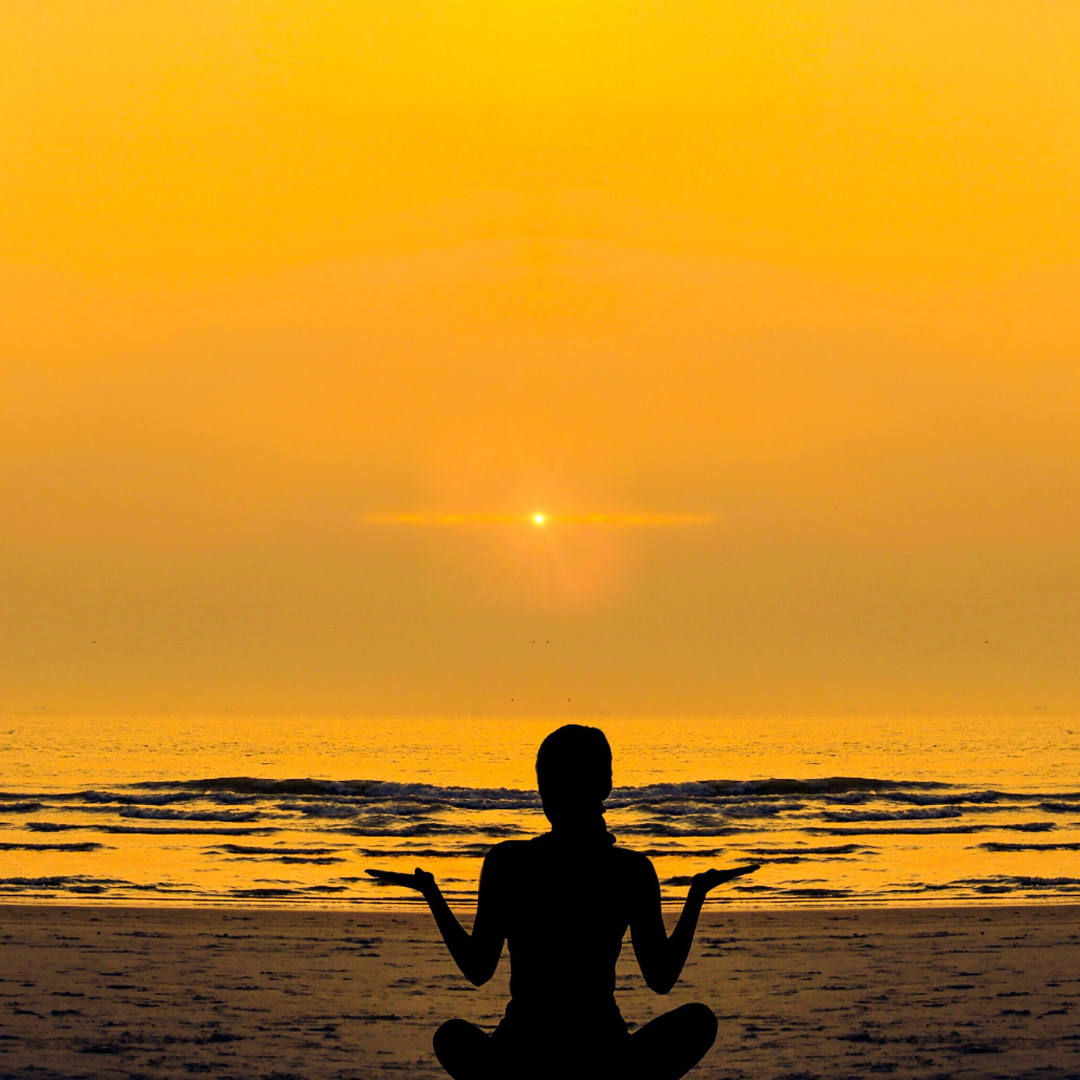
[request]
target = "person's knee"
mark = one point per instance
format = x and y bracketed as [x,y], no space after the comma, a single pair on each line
[449,1036]
[463,1050]
[701,1020]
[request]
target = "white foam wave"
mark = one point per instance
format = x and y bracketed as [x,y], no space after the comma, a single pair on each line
[164,814]
[922,813]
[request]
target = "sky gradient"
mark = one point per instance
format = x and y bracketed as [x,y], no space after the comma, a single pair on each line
[794,282]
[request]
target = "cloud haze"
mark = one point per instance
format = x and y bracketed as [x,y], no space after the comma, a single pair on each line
[802,273]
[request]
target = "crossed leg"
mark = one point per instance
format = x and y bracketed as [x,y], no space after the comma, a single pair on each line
[666,1048]
[465,1052]
[669,1046]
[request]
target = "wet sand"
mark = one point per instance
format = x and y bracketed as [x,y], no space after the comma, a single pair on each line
[931,992]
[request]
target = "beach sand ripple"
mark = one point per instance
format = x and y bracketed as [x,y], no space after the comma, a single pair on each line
[801,995]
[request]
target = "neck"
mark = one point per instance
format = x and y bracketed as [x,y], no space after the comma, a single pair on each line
[590,830]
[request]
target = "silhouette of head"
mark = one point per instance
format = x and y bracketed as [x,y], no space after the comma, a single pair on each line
[573,773]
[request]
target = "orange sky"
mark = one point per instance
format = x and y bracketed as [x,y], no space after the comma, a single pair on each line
[802,272]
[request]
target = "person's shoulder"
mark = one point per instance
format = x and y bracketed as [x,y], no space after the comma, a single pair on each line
[505,860]
[632,862]
[505,852]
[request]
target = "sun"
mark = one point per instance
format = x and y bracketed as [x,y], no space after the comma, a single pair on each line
[538,519]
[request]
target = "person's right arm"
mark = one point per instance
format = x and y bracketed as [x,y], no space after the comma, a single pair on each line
[661,957]
[476,954]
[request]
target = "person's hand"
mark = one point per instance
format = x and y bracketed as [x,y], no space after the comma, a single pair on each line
[705,882]
[420,880]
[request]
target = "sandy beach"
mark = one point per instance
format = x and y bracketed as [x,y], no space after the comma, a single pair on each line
[154,992]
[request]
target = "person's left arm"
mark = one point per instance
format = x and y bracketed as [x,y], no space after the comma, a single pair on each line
[660,957]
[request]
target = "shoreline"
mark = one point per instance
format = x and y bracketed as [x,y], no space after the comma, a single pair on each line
[670,905]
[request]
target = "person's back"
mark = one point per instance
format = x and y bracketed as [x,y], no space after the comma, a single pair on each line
[566,909]
[562,903]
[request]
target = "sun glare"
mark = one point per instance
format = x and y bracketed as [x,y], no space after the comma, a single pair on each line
[539,519]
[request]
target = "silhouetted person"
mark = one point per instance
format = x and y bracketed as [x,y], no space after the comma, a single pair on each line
[562,902]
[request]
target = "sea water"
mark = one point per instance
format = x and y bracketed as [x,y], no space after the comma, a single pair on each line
[292,811]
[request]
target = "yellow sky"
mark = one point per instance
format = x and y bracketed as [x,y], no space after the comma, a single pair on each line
[795,281]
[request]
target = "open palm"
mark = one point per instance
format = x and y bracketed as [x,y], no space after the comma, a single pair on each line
[420,880]
[709,879]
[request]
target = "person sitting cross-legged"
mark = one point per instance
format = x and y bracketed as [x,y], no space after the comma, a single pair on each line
[562,902]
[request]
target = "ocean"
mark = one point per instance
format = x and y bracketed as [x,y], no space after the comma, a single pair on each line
[290,812]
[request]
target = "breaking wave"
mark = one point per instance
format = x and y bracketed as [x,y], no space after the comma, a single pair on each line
[819,840]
